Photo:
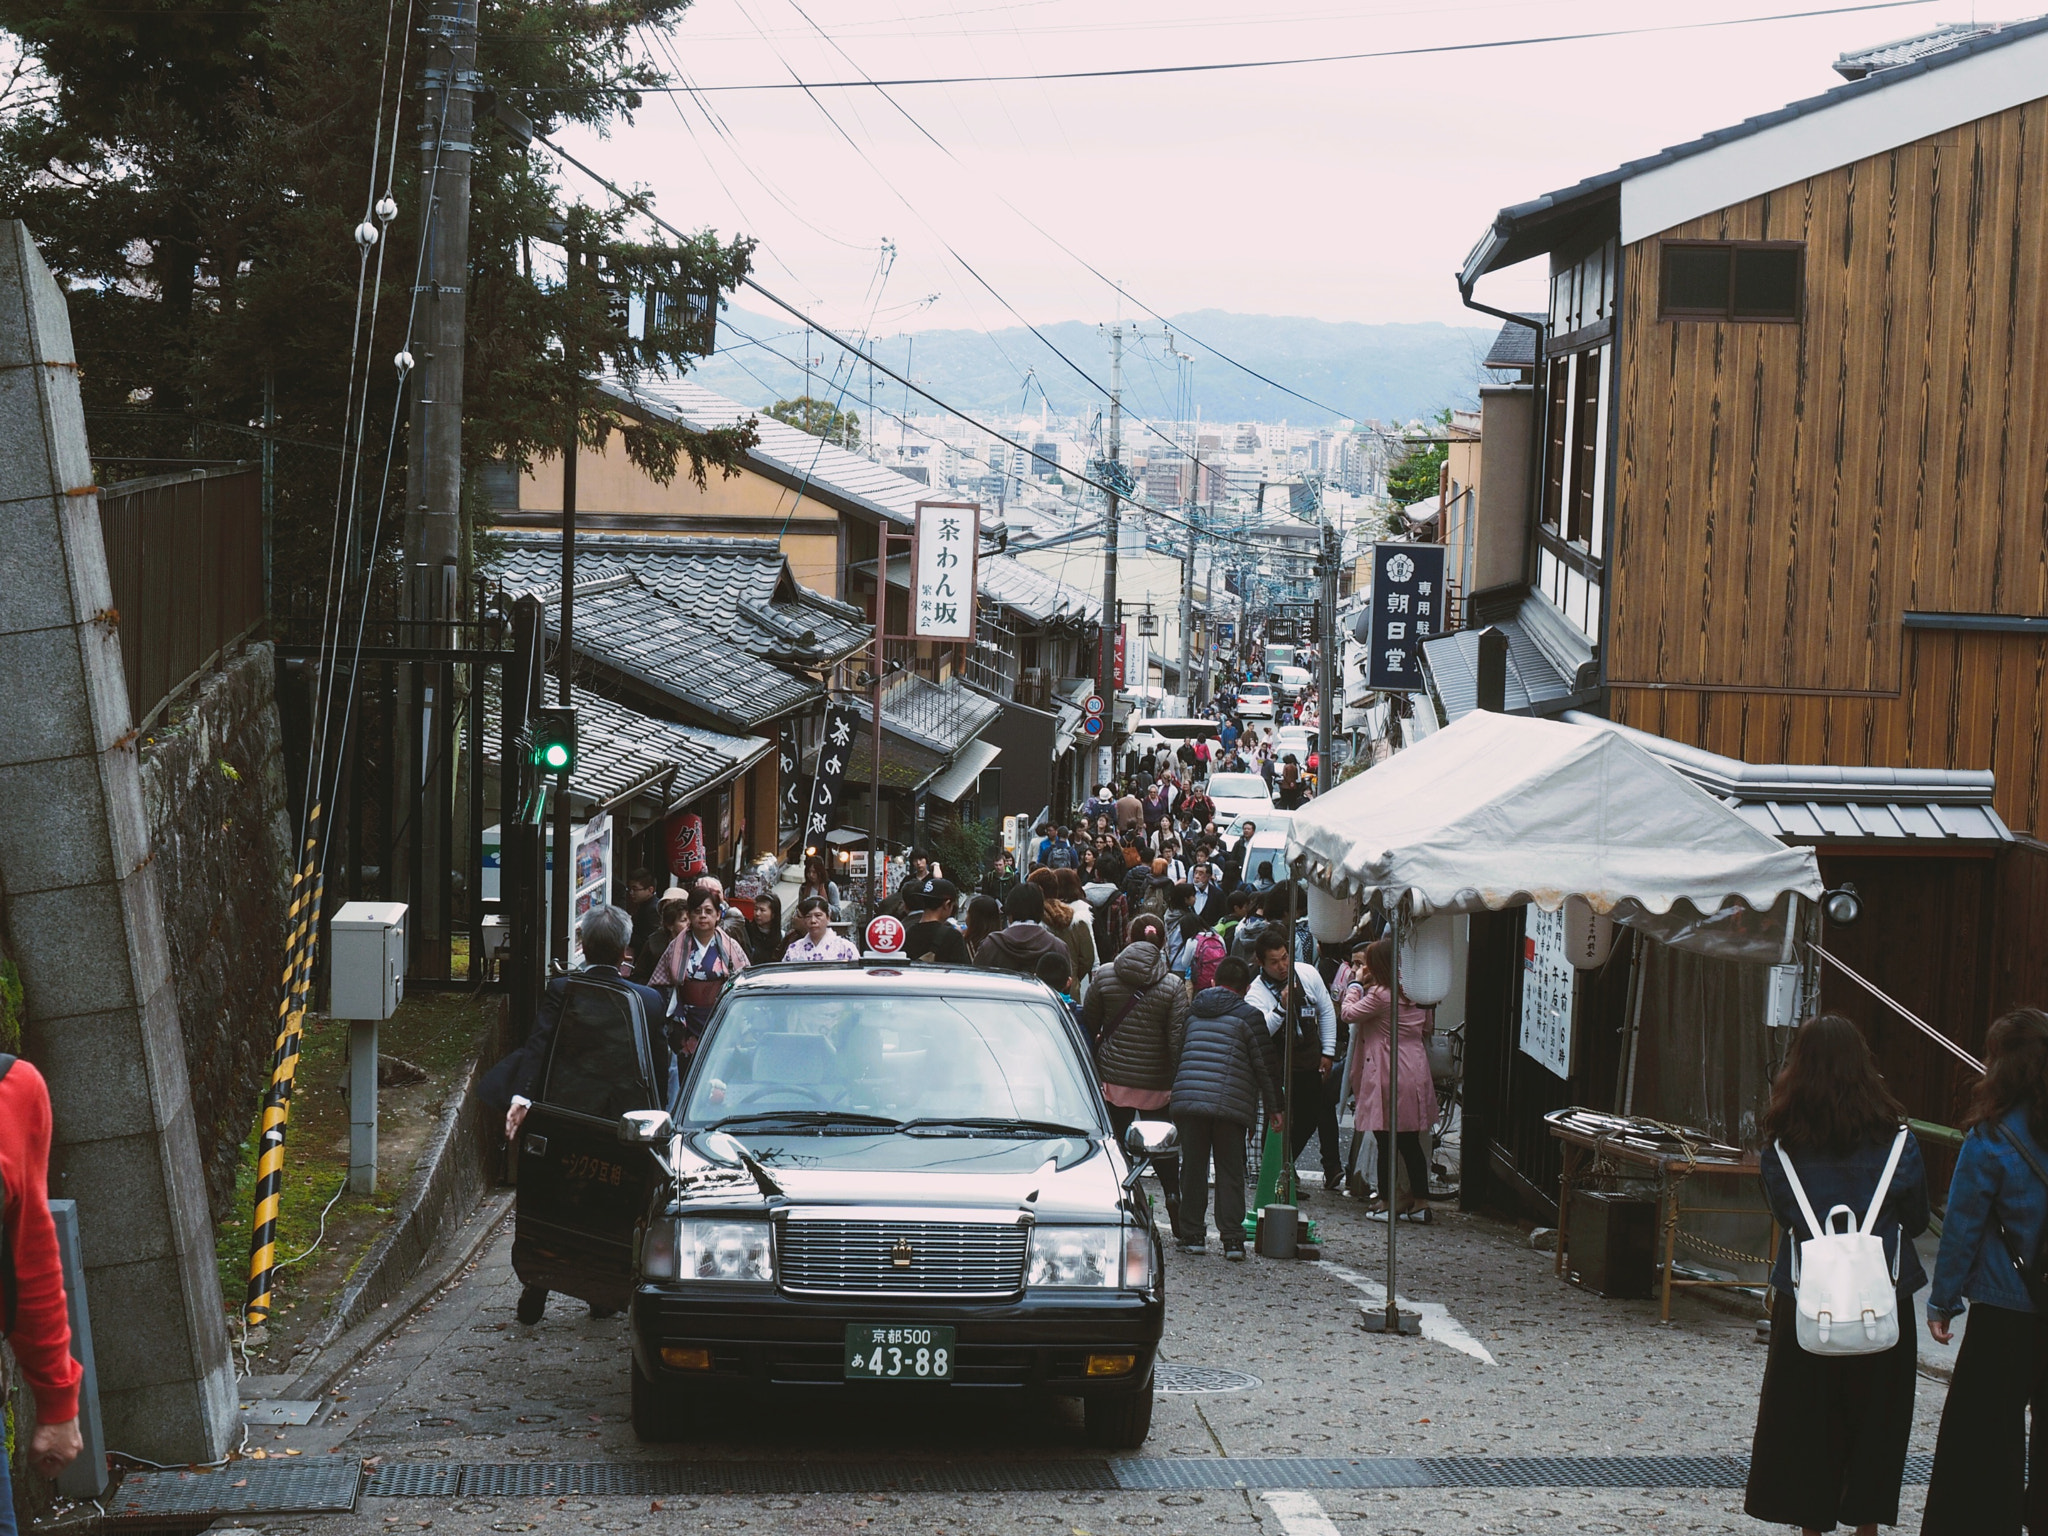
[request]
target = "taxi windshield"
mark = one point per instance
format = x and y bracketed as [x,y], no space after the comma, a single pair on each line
[891,1057]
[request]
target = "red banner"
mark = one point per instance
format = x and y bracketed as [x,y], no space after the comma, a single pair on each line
[1119,659]
[686,846]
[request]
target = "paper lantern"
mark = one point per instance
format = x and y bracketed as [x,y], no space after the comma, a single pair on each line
[1427,953]
[1331,918]
[1588,935]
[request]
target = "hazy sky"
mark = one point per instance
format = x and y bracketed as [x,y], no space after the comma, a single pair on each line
[1346,191]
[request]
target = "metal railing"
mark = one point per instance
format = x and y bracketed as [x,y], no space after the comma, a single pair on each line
[185,562]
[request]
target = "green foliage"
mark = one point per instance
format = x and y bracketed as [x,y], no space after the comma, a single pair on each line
[12,1001]
[194,176]
[1416,476]
[820,418]
[962,847]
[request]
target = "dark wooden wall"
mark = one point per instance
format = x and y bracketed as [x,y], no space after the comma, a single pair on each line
[1784,493]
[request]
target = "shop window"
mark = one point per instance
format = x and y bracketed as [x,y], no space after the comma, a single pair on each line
[1732,280]
[1553,469]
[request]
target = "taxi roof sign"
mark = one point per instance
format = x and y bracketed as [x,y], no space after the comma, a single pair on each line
[886,935]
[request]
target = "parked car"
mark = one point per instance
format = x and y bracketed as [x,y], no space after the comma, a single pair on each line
[1299,742]
[1255,701]
[1169,732]
[878,1181]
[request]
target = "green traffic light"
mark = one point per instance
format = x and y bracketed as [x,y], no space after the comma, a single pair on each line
[555,756]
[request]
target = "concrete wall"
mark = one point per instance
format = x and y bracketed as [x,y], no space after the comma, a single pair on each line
[213,790]
[83,914]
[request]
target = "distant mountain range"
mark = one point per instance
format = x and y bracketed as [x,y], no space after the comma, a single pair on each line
[1367,372]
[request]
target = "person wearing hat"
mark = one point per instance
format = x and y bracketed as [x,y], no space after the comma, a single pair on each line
[933,939]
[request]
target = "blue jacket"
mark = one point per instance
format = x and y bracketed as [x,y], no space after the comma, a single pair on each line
[1992,1187]
[1830,1181]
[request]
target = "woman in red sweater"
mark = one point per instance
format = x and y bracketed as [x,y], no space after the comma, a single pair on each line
[32,1311]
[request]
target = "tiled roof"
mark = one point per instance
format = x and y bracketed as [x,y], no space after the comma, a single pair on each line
[1910,50]
[1514,347]
[1515,232]
[740,589]
[627,626]
[618,748]
[835,476]
[942,717]
[1813,802]
[1038,595]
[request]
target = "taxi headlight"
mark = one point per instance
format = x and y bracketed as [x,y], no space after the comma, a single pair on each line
[724,1250]
[1084,1256]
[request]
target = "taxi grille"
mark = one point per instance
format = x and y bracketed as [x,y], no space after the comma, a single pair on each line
[944,1258]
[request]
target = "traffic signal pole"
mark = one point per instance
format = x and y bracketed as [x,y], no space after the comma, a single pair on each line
[1105,672]
[565,654]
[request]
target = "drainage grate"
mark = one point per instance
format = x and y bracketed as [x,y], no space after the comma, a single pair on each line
[526,1479]
[1130,1474]
[1158,1473]
[1200,1378]
[1586,1471]
[312,1485]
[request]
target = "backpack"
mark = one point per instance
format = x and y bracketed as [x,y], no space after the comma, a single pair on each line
[1209,953]
[1846,1295]
[2033,1272]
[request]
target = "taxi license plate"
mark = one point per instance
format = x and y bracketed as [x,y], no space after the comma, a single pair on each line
[895,1352]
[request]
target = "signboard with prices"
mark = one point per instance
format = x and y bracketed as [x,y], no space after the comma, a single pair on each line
[1547,977]
[946,538]
[1407,608]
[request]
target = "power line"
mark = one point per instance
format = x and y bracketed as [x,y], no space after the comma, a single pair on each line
[1287,63]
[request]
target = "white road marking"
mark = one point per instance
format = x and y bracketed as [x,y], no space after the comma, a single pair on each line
[1437,1323]
[1300,1514]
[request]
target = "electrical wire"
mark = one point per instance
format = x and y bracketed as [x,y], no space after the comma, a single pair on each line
[320,1236]
[1287,63]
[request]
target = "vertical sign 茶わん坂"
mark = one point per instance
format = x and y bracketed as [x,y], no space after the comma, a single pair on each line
[942,570]
[1407,608]
[1547,978]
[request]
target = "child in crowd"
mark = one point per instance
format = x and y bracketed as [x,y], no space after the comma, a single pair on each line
[1057,972]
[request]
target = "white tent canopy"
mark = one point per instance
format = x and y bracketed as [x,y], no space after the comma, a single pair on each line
[1501,810]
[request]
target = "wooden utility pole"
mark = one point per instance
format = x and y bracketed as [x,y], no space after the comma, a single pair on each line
[1105,672]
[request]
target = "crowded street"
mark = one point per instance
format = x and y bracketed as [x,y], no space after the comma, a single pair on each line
[1519,1366]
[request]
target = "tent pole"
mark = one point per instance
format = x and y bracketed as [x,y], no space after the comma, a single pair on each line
[1393,1162]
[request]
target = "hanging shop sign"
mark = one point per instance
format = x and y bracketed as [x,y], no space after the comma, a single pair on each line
[1407,608]
[828,786]
[946,537]
[1547,976]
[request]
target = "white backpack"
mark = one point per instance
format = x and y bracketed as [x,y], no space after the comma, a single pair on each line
[1846,1295]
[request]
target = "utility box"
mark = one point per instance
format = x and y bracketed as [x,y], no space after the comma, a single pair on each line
[366,960]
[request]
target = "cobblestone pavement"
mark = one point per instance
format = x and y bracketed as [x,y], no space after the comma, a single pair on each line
[1572,1375]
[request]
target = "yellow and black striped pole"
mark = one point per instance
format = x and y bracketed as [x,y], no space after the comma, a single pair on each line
[300,939]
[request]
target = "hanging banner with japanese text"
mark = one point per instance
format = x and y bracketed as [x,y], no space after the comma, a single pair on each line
[947,535]
[827,786]
[1407,608]
[1546,1033]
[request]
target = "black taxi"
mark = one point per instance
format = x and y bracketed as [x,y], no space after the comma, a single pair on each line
[878,1181]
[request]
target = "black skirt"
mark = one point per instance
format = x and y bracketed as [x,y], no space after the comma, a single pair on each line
[1831,1430]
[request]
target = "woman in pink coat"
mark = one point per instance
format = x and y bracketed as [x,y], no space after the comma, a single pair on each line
[1363,1003]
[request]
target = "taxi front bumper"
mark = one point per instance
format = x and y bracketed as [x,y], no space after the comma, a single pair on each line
[762,1338]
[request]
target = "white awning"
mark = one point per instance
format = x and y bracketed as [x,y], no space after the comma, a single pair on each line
[959,776]
[1496,811]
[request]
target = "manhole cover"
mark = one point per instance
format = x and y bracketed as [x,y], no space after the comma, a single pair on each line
[1200,1378]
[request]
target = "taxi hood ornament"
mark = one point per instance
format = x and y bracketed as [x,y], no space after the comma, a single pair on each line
[901,1254]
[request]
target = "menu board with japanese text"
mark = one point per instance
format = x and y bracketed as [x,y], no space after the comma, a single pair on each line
[1547,979]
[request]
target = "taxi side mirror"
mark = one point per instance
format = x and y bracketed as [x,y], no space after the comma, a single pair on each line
[645,1127]
[1147,1139]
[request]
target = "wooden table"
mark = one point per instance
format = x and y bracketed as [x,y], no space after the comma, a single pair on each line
[1672,1155]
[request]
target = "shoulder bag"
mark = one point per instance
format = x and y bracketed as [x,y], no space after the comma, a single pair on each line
[2033,1272]
[1846,1295]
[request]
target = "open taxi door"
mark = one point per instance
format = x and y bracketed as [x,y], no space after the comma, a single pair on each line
[581,1190]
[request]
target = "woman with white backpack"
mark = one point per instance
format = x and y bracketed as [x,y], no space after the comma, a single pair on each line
[1991,1248]
[1843,1177]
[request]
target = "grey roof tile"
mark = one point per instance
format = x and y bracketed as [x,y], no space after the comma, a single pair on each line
[617,748]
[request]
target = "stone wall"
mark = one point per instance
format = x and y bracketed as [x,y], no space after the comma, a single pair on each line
[213,786]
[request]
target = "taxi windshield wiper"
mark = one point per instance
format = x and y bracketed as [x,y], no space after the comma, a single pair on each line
[805,1117]
[997,1125]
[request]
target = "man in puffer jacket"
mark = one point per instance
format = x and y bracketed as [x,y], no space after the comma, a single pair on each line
[1223,1077]
[1136,1011]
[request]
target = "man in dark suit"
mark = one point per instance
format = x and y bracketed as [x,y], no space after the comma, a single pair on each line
[1206,908]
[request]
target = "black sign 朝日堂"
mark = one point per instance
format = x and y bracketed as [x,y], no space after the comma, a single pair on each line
[1407,608]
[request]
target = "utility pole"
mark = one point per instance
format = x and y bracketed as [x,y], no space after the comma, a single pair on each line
[1105,682]
[1326,661]
[433,509]
[563,881]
